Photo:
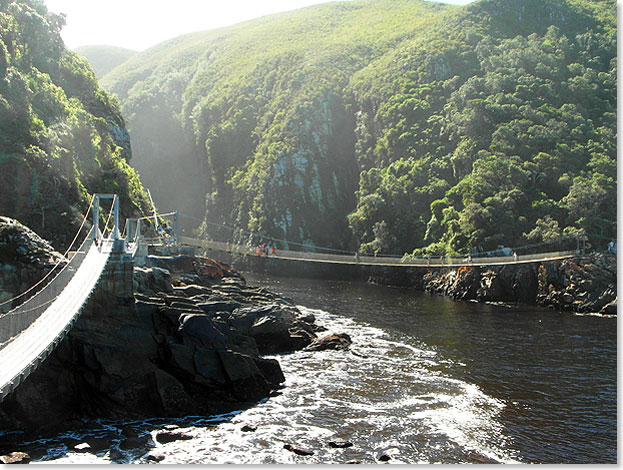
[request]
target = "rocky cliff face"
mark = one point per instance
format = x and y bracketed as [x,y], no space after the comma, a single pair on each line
[580,285]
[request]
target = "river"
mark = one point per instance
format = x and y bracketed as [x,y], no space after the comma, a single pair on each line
[427,380]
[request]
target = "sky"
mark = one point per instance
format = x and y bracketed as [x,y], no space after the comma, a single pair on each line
[139,24]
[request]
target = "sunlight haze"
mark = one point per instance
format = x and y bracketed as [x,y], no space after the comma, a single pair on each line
[139,24]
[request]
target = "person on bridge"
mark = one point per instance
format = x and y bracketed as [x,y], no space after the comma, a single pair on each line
[515,257]
[272,250]
[357,256]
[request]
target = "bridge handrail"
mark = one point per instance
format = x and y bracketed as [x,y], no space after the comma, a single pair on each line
[21,317]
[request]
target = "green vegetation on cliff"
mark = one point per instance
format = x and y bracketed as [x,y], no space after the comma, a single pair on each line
[386,125]
[62,138]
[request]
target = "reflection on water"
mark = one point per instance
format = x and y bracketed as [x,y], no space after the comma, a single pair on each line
[427,380]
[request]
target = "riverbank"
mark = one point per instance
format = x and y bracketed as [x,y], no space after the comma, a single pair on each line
[582,285]
[187,336]
[426,380]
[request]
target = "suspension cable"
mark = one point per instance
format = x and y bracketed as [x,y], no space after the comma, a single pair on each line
[84,219]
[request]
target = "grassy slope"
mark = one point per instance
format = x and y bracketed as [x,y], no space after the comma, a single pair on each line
[104,58]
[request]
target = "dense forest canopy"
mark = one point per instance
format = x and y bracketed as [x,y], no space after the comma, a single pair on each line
[62,138]
[388,126]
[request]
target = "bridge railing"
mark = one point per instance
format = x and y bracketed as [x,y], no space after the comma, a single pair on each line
[21,317]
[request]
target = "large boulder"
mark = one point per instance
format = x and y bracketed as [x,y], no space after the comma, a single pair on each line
[209,367]
[271,334]
[246,378]
[151,280]
[274,327]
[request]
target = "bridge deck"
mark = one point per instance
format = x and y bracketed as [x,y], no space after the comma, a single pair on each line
[23,353]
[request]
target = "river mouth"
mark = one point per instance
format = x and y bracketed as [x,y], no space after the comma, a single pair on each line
[426,380]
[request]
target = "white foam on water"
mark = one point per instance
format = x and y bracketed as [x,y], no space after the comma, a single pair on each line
[387,395]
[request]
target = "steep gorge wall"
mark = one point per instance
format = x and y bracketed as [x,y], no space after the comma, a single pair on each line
[62,138]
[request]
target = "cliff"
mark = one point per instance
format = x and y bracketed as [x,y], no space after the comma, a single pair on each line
[62,138]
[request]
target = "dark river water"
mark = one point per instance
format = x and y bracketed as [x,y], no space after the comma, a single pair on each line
[427,380]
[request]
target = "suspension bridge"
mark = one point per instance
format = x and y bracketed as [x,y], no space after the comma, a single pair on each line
[46,312]
[31,331]
[380,261]
[320,255]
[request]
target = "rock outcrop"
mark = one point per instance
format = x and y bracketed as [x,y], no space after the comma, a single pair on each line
[577,284]
[189,341]
[25,258]
[338,341]
[581,285]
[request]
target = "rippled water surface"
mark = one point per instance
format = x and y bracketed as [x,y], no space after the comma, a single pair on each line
[427,380]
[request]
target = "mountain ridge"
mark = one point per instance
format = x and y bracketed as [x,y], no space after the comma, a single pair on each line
[279,122]
[104,58]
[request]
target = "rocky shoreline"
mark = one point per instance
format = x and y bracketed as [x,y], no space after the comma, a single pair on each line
[582,285]
[190,336]
[188,339]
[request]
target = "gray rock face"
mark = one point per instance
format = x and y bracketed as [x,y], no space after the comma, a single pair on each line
[121,137]
[579,285]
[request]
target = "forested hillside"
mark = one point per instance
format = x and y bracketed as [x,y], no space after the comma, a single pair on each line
[386,125]
[62,138]
[104,58]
